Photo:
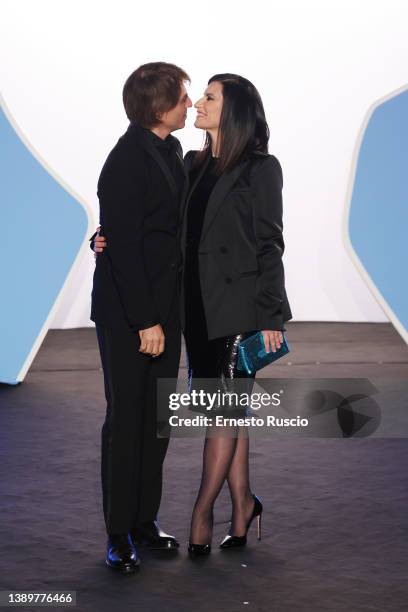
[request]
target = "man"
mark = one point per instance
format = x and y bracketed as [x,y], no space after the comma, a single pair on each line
[135,304]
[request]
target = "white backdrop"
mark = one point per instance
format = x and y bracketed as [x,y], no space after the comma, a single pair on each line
[318,64]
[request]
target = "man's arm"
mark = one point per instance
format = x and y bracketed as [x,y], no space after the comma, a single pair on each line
[122,191]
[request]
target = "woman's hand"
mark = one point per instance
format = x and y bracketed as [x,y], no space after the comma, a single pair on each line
[272,340]
[152,341]
[99,243]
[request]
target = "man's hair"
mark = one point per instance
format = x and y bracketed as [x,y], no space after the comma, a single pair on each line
[152,89]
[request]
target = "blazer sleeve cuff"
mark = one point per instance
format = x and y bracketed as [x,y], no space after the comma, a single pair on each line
[270,322]
[144,325]
[92,241]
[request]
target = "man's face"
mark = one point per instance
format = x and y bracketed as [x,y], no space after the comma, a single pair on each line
[175,118]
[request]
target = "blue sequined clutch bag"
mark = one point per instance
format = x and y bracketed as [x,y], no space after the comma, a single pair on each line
[252,355]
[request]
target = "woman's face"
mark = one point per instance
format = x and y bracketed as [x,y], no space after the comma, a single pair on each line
[209,107]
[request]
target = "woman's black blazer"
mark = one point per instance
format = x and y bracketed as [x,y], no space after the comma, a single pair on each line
[240,252]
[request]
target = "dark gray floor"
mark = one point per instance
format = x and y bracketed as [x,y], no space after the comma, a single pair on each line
[335,521]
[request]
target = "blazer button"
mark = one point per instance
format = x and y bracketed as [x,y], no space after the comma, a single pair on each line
[172,266]
[228,280]
[223,249]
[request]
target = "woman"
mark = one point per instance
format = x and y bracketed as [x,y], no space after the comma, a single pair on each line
[233,278]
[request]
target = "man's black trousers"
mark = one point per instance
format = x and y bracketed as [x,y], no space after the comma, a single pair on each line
[132,454]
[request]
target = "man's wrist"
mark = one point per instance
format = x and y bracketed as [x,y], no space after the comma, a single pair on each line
[144,325]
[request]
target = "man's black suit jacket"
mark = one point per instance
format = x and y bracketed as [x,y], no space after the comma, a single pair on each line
[137,275]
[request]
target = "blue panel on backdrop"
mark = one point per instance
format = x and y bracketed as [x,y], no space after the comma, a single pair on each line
[34,257]
[378,216]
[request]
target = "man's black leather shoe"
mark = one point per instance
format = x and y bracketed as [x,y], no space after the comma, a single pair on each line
[122,554]
[149,534]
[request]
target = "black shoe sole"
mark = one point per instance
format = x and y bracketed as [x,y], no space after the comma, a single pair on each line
[168,548]
[197,553]
[146,544]
[124,569]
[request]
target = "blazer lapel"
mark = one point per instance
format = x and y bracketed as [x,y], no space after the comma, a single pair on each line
[187,192]
[221,189]
[179,154]
[184,190]
[151,149]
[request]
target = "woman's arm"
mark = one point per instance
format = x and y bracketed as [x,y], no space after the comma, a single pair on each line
[266,182]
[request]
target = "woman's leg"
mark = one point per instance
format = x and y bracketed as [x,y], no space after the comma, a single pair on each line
[217,456]
[202,367]
[220,444]
[238,483]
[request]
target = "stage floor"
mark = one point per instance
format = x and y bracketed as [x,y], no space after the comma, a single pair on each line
[335,519]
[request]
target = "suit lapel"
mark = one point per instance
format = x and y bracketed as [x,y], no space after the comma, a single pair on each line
[179,154]
[184,191]
[151,149]
[221,189]
[187,192]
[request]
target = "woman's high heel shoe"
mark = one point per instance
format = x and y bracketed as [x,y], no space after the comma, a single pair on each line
[197,550]
[231,541]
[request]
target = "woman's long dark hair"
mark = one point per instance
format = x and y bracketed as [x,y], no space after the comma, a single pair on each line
[243,127]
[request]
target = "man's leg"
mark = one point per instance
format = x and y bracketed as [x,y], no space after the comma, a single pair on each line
[125,374]
[154,448]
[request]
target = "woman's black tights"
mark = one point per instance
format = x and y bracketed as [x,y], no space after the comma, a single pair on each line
[225,457]
[225,454]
